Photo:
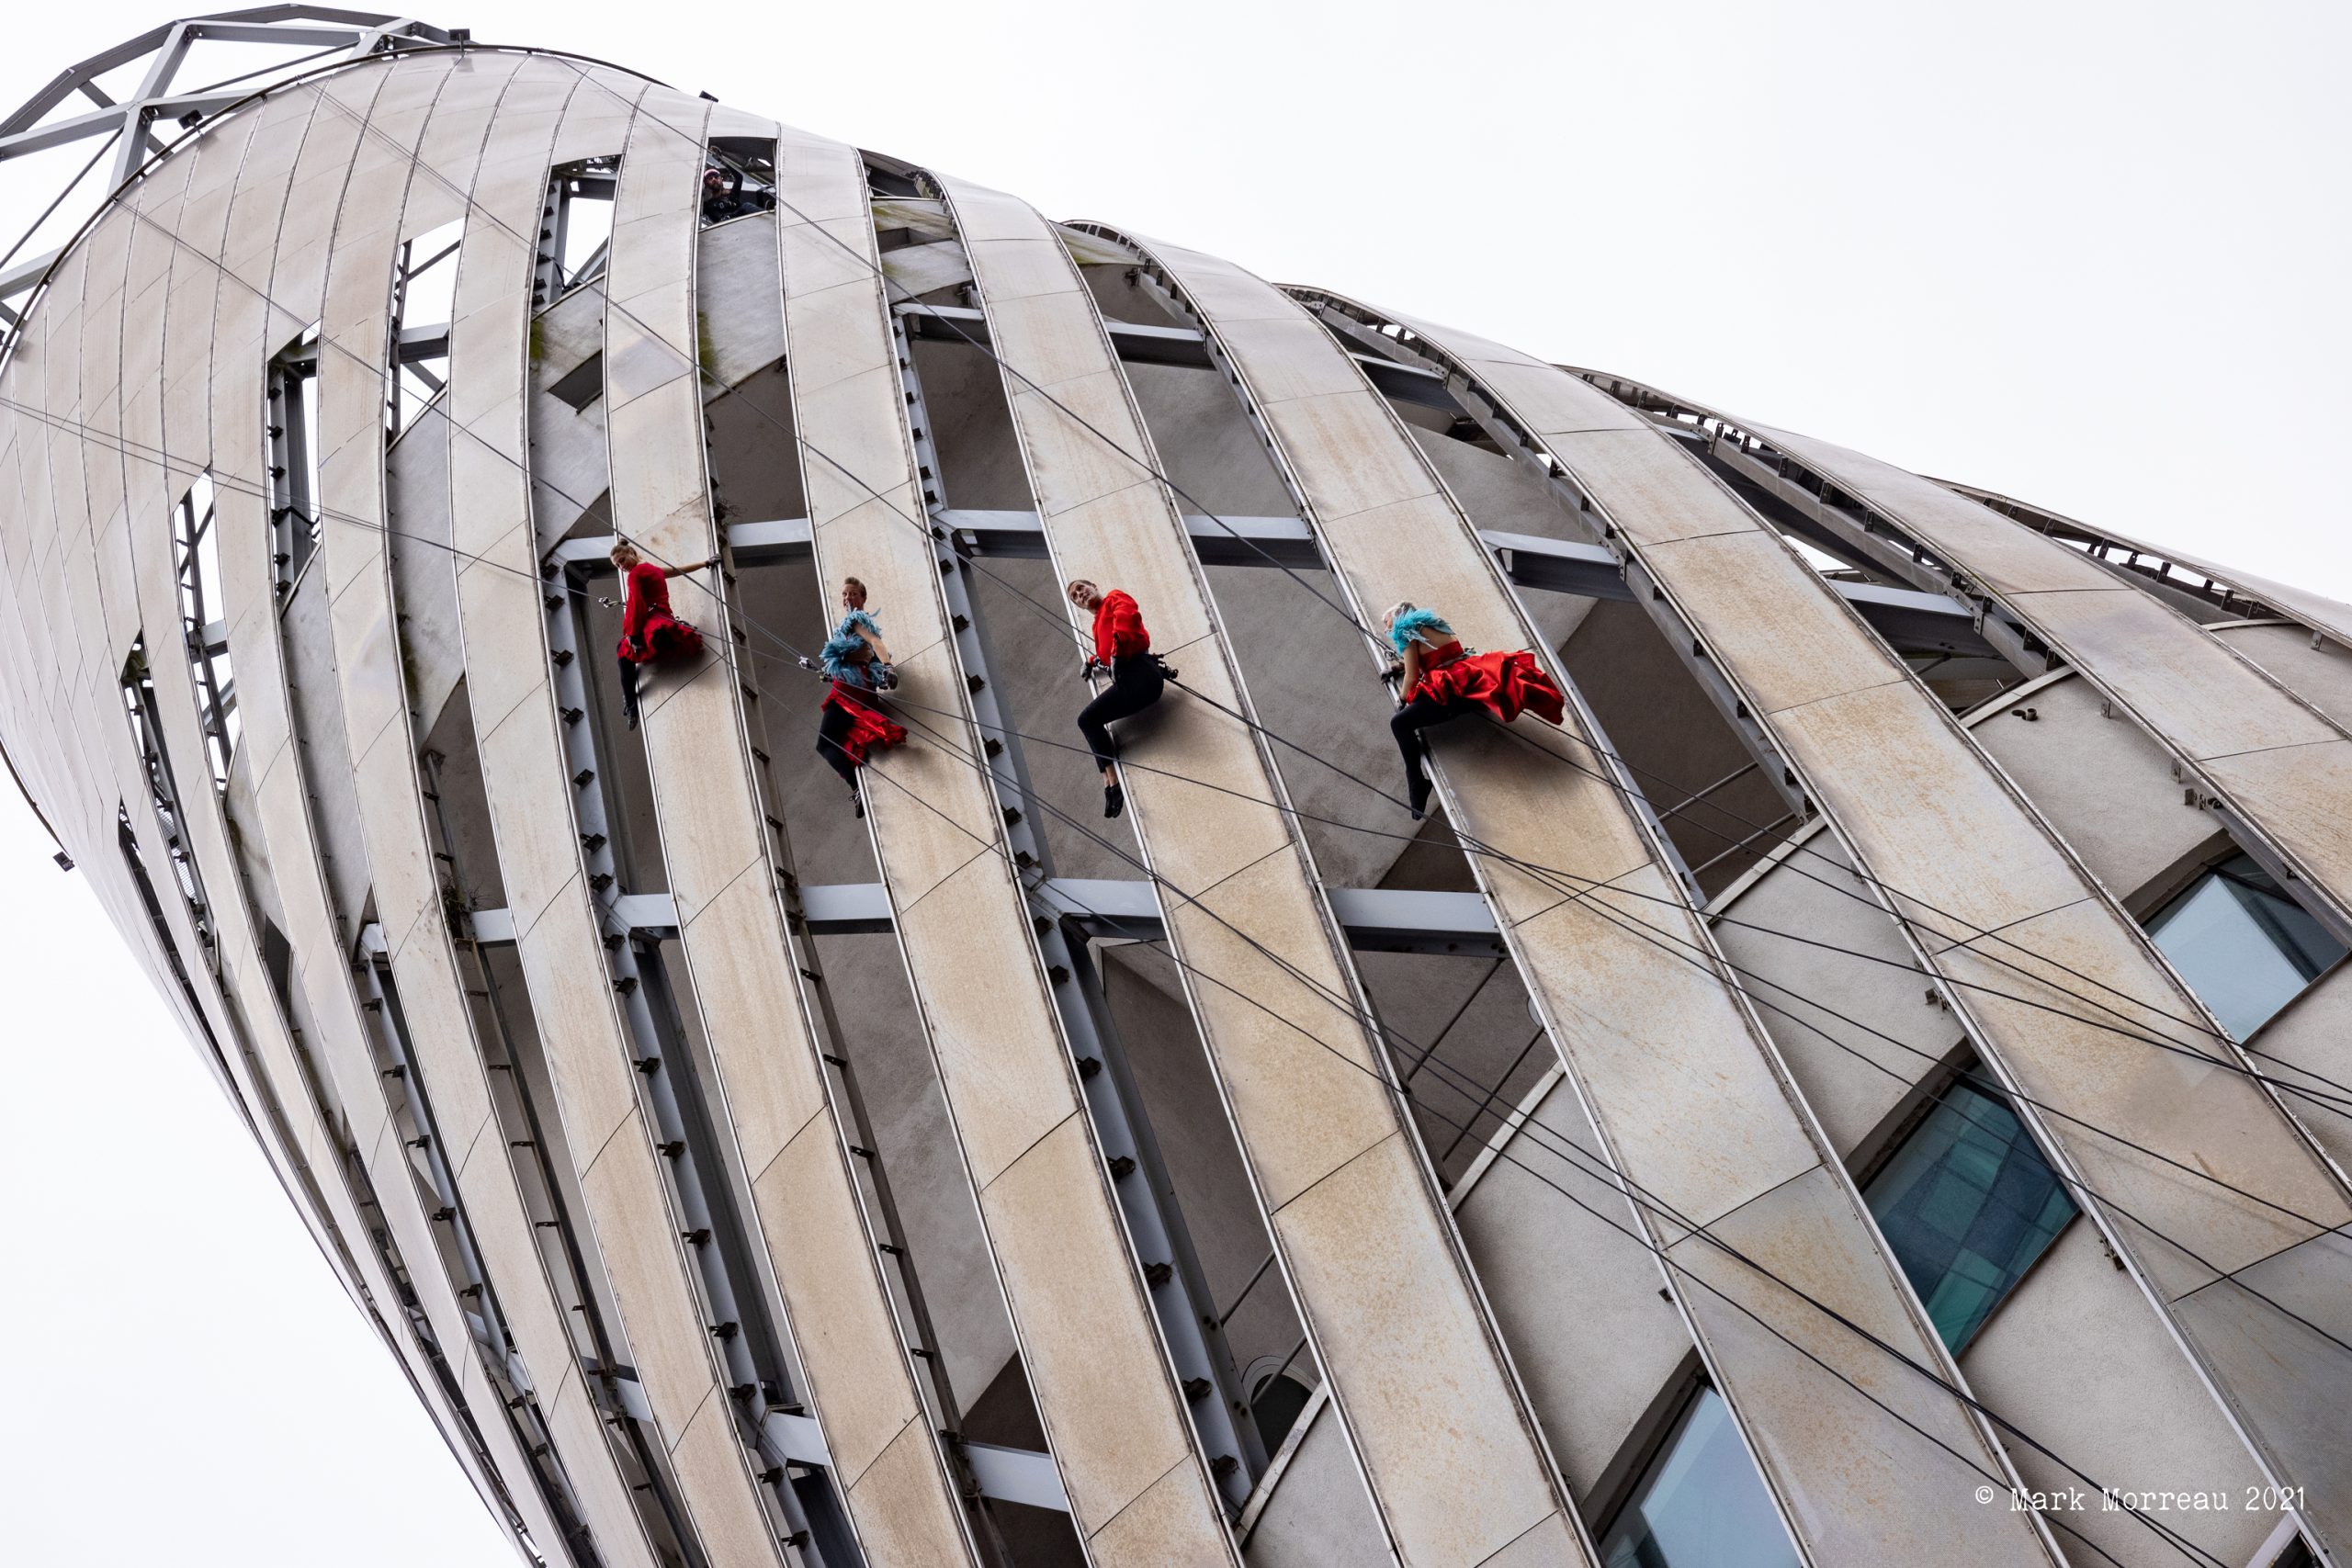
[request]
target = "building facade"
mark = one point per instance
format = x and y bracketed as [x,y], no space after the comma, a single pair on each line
[1868,1087]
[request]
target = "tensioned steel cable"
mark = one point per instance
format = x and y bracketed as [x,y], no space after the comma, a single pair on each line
[436,542]
[2199,1025]
[1062,622]
[1583,1160]
[2205,1027]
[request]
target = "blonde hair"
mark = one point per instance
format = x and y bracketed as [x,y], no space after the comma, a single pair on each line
[621,548]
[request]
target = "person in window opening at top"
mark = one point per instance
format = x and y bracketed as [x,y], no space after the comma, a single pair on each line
[1438,680]
[857,662]
[1138,678]
[723,196]
[649,633]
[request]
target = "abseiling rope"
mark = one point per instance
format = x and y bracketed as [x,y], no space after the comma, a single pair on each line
[357,522]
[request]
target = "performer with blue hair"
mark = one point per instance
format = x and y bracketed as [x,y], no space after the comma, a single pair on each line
[857,662]
[1438,680]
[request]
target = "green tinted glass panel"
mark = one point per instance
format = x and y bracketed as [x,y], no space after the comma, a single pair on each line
[1967,1204]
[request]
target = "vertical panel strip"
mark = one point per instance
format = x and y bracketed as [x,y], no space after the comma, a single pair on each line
[730,919]
[382,756]
[525,778]
[1137,1485]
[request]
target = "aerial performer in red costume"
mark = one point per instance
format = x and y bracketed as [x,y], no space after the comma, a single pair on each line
[649,633]
[1440,680]
[858,663]
[1139,678]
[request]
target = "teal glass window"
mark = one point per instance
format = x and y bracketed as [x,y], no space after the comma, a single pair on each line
[1967,1204]
[2243,946]
[1700,1504]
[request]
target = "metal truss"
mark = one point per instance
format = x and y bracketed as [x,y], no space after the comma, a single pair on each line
[164,108]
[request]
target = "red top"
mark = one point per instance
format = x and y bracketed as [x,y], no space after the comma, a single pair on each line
[649,593]
[1118,629]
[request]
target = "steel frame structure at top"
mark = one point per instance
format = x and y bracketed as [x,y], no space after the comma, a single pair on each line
[164,108]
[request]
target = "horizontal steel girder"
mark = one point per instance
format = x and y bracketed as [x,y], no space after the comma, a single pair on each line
[1378,920]
[1911,621]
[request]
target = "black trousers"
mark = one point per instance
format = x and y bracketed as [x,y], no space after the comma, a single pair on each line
[629,691]
[1407,722]
[833,726]
[1136,684]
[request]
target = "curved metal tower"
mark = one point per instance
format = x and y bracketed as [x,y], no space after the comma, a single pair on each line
[1871,1074]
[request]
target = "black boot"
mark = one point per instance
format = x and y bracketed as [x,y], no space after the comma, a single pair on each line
[1417,795]
[1114,800]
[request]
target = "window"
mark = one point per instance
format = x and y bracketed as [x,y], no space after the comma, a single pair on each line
[737,178]
[575,226]
[1700,1504]
[424,284]
[1967,1204]
[2243,946]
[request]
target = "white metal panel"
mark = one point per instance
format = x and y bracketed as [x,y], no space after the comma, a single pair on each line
[2189,689]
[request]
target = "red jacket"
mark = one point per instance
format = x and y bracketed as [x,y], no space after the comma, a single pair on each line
[1118,629]
[649,631]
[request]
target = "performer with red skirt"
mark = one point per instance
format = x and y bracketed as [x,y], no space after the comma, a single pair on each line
[858,663]
[1440,680]
[649,633]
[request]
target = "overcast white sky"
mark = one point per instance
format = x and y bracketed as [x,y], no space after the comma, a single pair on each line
[2092,255]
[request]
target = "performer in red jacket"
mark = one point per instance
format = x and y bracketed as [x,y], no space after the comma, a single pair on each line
[1438,681]
[1123,651]
[649,633]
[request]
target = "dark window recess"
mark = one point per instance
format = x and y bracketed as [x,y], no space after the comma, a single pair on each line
[1275,1405]
[1700,1503]
[1967,1204]
[737,178]
[583,383]
[2244,947]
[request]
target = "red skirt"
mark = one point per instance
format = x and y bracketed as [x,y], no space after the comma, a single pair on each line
[868,729]
[666,637]
[1505,684]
